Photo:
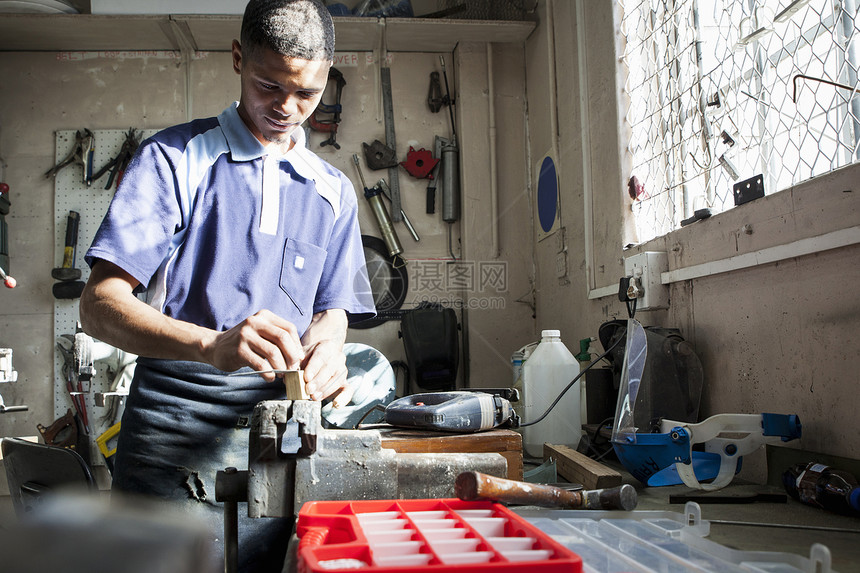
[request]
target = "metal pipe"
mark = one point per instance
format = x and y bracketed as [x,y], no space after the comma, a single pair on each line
[584,134]
[494,175]
[849,11]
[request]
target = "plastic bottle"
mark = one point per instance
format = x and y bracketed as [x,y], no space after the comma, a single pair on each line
[548,370]
[822,486]
[584,359]
[518,360]
[517,382]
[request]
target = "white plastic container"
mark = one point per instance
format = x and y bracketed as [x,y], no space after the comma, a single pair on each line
[548,370]
[518,360]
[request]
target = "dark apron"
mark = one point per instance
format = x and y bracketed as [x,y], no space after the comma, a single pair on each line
[183,422]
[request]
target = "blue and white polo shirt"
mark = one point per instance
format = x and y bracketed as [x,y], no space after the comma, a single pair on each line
[218,226]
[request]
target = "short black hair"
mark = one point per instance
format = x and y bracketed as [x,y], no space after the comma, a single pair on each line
[293,28]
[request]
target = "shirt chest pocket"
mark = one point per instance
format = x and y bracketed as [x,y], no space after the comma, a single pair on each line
[300,273]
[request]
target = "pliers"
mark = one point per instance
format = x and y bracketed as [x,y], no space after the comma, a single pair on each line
[121,161]
[82,154]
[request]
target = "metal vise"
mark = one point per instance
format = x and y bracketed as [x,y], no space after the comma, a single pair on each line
[292,459]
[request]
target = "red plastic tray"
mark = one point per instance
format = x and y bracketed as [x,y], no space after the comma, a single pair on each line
[439,535]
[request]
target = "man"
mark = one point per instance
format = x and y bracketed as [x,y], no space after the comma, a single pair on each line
[248,250]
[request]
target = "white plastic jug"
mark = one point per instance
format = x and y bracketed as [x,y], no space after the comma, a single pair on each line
[546,372]
[518,360]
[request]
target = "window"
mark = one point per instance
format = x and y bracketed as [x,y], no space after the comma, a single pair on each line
[723,90]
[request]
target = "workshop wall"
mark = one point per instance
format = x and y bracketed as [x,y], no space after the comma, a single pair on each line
[46,92]
[773,338]
[43,93]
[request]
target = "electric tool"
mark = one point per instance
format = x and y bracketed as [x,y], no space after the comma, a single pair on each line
[459,412]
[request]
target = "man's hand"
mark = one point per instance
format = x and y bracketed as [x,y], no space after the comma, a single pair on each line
[325,364]
[110,312]
[264,341]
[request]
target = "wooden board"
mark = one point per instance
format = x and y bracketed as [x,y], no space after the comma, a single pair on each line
[294,380]
[505,442]
[577,468]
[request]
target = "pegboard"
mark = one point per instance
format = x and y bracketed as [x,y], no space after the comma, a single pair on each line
[71,193]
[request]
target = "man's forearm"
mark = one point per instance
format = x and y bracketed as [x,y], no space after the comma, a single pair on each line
[110,313]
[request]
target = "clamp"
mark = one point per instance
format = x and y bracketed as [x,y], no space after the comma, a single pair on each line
[330,125]
[81,154]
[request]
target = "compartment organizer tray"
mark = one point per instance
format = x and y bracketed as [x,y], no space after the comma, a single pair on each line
[662,541]
[442,536]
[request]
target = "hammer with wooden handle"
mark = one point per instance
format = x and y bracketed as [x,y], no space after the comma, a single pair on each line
[471,486]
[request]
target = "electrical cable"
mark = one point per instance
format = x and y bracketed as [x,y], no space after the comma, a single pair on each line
[591,443]
[450,244]
[572,382]
[379,407]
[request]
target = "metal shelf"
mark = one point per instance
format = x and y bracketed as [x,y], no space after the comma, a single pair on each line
[86,32]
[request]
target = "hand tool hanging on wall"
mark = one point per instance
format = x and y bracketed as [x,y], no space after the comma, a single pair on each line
[118,164]
[430,201]
[72,377]
[5,204]
[8,375]
[450,155]
[67,432]
[62,432]
[435,99]
[82,154]
[69,286]
[386,190]
[373,196]
[330,125]
[419,163]
[379,156]
[447,173]
[388,112]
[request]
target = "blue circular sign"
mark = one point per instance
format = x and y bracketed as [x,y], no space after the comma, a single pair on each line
[547,194]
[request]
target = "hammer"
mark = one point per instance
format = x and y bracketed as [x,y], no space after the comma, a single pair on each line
[69,286]
[471,486]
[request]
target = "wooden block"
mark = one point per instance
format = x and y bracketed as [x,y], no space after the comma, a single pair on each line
[578,468]
[294,380]
[505,442]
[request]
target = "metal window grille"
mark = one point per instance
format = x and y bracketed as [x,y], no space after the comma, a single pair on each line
[716,96]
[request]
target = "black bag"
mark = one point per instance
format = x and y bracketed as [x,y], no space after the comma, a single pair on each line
[430,339]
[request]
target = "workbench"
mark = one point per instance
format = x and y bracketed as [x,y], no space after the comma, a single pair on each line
[776,527]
